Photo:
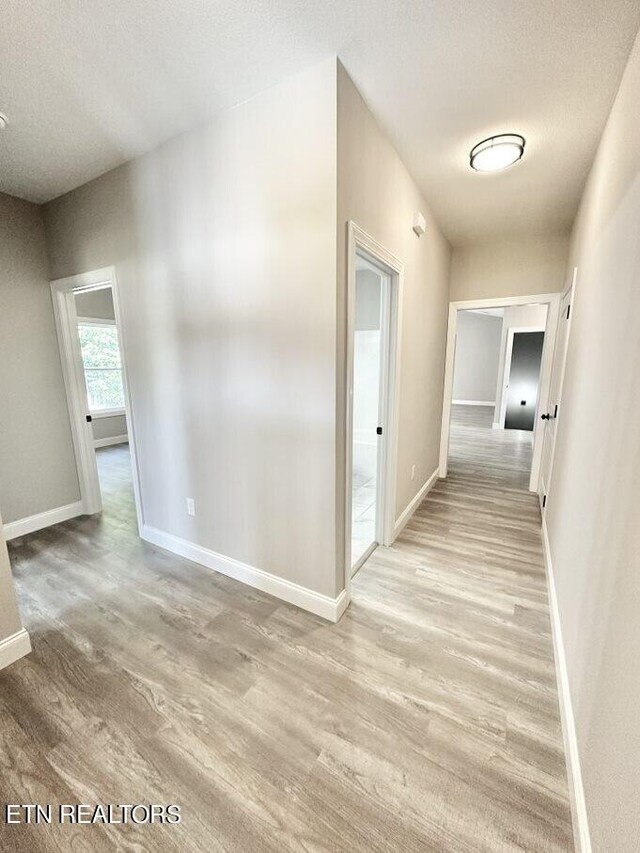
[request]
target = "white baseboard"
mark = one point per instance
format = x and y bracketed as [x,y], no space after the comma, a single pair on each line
[14,647]
[114,439]
[322,605]
[473,402]
[414,504]
[42,519]
[582,840]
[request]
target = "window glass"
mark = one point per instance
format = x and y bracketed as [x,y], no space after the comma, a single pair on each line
[102,368]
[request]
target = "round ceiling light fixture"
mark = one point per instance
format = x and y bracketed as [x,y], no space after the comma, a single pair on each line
[497,152]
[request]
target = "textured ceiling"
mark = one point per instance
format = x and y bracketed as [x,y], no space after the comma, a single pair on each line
[89,85]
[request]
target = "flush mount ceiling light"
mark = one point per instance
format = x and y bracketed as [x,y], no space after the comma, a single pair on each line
[497,152]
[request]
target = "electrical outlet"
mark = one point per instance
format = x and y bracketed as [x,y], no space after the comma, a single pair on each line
[191,506]
[413,472]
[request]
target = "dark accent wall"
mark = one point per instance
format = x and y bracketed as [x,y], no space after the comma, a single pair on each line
[522,393]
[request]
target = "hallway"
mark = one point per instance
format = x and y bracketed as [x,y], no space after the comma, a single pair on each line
[427,719]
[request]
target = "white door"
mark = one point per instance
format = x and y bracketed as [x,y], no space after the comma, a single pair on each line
[370,379]
[555,396]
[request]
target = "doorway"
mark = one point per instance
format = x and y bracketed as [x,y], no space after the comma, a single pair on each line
[89,327]
[551,416]
[498,365]
[374,297]
[370,380]
[523,374]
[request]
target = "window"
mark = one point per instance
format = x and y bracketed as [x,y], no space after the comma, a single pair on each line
[102,367]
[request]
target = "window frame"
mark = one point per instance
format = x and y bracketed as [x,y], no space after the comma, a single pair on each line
[96,414]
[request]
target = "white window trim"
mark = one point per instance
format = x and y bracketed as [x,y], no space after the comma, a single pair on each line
[95,321]
[102,413]
[106,413]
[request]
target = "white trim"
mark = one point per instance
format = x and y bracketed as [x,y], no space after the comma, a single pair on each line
[322,605]
[14,647]
[473,402]
[96,321]
[581,837]
[358,241]
[414,503]
[40,520]
[96,414]
[112,439]
[73,373]
[553,301]
[447,395]
[62,291]
[503,301]
[569,291]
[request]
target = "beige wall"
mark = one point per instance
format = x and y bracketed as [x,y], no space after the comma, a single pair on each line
[111,427]
[37,463]
[475,371]
[594,500]
[376,191]
[95,304]
[224,242]
[513,266]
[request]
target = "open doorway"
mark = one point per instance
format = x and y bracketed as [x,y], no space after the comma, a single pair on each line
[374,296]
[101,355]
[370,379]
[497,381]
[94,367]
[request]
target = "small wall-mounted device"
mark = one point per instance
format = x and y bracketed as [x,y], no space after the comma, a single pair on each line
[419,223]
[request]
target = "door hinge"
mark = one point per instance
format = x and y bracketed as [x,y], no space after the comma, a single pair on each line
[544,501]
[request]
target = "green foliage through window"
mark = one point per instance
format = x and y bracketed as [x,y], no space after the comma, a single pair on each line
[102,368]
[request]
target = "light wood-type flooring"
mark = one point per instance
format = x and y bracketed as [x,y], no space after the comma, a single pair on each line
[426,720]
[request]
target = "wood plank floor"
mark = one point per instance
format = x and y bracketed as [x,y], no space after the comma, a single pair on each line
[426,720]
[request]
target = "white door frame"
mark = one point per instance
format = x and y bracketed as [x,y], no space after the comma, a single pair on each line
[64,308]
[359,242]
[506,368]
[570,291]
[553,302]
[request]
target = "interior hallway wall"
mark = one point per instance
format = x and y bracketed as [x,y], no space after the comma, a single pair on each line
[475,371]
[37,462]
[594,500]
[376,191]
[224,242]
[512,266]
